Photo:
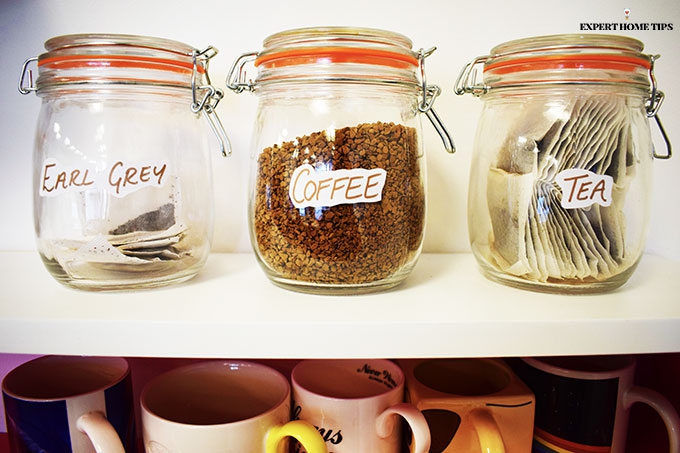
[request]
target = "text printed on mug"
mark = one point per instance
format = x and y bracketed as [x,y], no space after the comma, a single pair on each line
[382,376]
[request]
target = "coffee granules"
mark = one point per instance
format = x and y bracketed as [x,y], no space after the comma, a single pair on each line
[348,243]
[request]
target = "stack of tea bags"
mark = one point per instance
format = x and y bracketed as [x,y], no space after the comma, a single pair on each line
[148,241]
[534,235]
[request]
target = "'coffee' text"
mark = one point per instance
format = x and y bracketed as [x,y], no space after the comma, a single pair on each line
[330,188]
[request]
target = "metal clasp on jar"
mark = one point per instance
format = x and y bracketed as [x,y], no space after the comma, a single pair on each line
[430,93]
[26,82]
[652,106]
[238,82]
[467,82]
[205,97]
[467,79]
[236,78]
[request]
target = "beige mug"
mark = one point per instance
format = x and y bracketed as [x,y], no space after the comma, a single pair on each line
[471,405]
[357,405]
[222,405]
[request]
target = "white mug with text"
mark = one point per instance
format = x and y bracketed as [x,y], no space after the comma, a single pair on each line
[357,405]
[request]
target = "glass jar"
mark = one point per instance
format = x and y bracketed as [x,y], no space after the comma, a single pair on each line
[122,178]
[561,174]
[337,193]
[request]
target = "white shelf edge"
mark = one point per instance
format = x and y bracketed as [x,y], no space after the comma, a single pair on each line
[444,309]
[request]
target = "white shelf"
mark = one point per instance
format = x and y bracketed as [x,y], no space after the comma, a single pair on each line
[444,309]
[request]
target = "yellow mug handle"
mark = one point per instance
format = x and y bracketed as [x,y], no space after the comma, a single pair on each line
[489,435]
[304,432]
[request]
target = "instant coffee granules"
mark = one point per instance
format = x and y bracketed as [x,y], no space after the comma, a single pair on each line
[346,243]
[339,209]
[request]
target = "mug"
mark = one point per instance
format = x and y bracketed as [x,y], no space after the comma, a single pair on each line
[355,403]
[222,405]
[471,405]
[70,404]
[582,403]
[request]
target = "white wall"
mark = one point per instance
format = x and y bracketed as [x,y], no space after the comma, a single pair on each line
[460,30]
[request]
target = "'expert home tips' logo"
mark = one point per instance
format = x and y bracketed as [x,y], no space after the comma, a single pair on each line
[627,25]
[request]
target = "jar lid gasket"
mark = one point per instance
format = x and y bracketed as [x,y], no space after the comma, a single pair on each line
[330,45]
[117,59]
[559,60]
[330,55]
[568,52]
[626,63]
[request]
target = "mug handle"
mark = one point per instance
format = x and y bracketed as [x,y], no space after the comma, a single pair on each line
[662,406]
[489,435]
[385,425]
[304,432]
[102,435]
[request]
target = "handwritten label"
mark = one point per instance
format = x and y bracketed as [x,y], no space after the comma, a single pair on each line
[582,188]
[120,179]
[311,188]
[56,178]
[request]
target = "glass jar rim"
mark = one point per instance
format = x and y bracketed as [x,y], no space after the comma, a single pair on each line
[566,52]
[104,39]
[568,41]
[339,34]
[572,59]
[339,44]
[107,59]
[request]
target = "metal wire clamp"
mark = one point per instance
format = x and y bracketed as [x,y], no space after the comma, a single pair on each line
[211,96]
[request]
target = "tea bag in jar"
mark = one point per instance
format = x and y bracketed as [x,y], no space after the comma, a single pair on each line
[510,189]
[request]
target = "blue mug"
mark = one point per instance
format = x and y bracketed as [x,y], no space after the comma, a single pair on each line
[70,404]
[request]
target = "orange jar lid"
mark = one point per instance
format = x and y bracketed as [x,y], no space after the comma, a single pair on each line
[116,58]
[559,59]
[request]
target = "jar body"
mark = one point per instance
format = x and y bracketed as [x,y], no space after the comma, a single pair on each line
[337,202]
[122,187]
[560,186]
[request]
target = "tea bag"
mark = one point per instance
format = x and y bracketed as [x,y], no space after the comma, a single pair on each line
[152,235]
[534,236]
[510,191]
[550,256]
[509,199]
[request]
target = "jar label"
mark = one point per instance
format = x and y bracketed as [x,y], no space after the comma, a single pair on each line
[312,188]
[119,179]
[582,188]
